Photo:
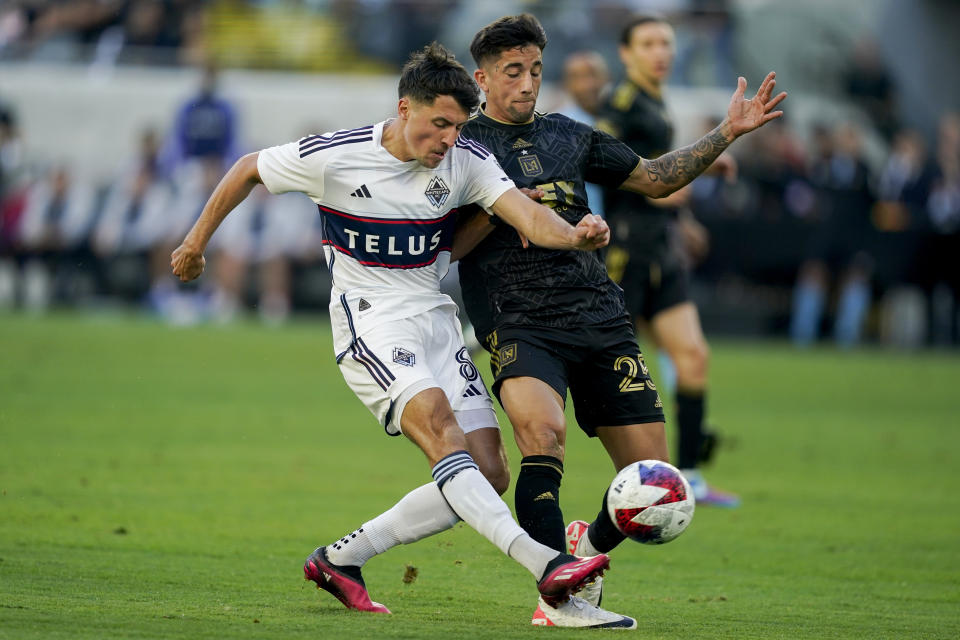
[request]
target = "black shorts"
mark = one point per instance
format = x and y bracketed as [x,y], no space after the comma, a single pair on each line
[602,367]
[648,287]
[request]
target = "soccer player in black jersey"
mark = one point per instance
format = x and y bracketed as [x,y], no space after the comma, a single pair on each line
[553,320]
[643,257]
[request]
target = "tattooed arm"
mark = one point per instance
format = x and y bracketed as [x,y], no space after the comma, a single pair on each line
[671,171]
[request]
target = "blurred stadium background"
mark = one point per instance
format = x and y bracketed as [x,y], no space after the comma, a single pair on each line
[855,194]
[166,483]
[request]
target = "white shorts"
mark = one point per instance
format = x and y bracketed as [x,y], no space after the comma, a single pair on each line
[395,361]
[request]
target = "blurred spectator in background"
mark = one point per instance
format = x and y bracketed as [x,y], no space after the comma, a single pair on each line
[898,217]
[944,205]
[51,238]
[193,182]
[147,32]
[840,244]
[390,29]
[61,30]
[585,79]
[705,44]
[11,150]
[643,256]
[136,215]
[774,162]
[102,31]
[12,201]
[941,255]
[904,184]
[205,129]
[270,233]
[202,144]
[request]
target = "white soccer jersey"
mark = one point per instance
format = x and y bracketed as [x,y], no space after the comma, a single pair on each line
[387,225]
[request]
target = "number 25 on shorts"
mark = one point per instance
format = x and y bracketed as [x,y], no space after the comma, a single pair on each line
[630,366]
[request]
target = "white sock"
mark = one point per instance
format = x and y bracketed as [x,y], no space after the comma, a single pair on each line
[352,549]
[530,554]
[585,548]
[419,514]
[477,503]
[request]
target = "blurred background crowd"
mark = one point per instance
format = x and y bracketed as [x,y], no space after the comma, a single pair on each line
[117,118]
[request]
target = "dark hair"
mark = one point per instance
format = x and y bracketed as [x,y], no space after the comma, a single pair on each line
[636,21]
[433,71]
[508,32]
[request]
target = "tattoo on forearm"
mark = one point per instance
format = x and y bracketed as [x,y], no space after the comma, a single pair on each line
[680,167]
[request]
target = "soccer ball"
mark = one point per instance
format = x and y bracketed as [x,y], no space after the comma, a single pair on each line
[650,501]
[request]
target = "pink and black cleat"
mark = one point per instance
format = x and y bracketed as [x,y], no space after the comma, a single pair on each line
[567,574]
[344,583]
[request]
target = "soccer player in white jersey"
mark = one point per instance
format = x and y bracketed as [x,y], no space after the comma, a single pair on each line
[388,194]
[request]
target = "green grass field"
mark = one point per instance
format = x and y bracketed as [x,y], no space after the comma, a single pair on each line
[162,482]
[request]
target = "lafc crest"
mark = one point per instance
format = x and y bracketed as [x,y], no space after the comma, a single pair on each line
[530,164]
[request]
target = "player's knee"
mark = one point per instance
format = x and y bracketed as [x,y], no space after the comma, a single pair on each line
[541,438]
[692,364]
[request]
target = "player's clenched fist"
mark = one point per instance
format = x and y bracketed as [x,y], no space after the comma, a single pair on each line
[592,232]
[187,264]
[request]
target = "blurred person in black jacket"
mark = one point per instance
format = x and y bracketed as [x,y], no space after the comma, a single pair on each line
[840,245]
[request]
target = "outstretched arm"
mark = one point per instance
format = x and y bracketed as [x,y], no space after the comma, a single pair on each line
[671,171]
[187,260]
[545,228]
[476,225]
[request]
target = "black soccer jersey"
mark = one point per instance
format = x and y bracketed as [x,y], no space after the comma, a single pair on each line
[507,285]
[641,121]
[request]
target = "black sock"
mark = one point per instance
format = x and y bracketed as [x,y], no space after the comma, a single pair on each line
[604,535]
[690,410]
[537,500]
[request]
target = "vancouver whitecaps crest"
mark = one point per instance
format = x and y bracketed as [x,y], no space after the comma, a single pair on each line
[437,192]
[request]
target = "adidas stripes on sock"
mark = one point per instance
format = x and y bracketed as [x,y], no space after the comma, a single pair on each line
[421,513]
[477,503]
[537,500]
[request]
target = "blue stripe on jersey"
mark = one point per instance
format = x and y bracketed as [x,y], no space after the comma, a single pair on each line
[475,148]
[306,145]
[336,135]
[304,154]
[393,244]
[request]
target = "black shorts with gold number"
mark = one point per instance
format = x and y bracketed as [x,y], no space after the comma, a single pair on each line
[602,367]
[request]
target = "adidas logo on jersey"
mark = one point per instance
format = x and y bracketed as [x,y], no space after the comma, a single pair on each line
[364,305]
[472,391]
[521,144]
[362,192]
